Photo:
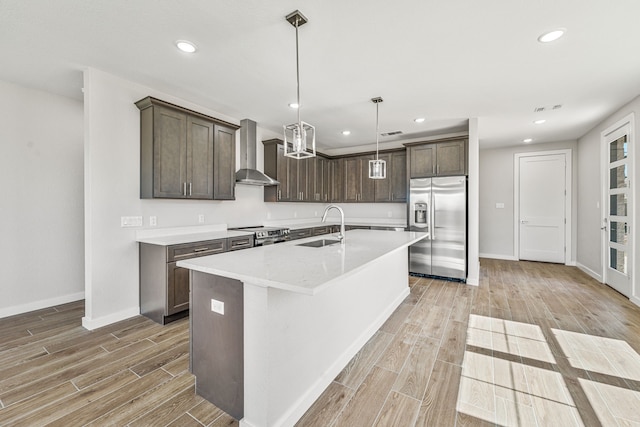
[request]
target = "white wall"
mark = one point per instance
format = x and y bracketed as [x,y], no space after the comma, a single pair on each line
[112,140]
[41,219]
[497,186]
[589,256]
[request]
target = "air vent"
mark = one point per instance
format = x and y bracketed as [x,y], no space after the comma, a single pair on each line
[539,109]
[542,109]
[392,133]
[557,106]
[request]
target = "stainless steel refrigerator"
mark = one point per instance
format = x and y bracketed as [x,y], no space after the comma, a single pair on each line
[438,206]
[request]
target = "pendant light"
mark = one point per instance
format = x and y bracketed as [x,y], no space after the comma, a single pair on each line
[377,167]
[299,137]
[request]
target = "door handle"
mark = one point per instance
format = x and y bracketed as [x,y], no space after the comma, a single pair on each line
[524,222]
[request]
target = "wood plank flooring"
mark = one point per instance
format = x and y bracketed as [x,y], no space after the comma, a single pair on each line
[535,344]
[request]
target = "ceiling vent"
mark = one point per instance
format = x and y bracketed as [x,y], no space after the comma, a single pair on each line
[539,109]
[557,106]
[392,133]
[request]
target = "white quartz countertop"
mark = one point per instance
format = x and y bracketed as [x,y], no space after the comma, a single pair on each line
[191,237]
[301,269]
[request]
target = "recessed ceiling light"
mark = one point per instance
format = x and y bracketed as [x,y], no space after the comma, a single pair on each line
[539,122]
[551,35]
[346,132]
[186,46]
[293,105]
[528,140]
[419,120]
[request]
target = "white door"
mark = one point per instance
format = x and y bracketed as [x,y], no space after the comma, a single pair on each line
[542,216]
[617,213]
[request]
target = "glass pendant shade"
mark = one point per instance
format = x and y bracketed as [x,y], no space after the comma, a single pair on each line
[299,140]
[377,169]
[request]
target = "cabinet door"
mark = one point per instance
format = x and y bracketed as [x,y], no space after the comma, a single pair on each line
[367,185]
[451,158]
[224,152]
[336,180]
[351,173]
[319,192]
[169,153]
[199,158]
[283,172]
[398,176]
[177,289]
[422,160]
[303,179]
[294,170]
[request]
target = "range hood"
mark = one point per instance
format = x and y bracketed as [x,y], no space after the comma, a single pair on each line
[248,174]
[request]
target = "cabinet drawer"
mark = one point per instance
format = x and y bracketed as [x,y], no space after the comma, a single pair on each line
[300,234]
[198,249]
[235,243]
[317,231]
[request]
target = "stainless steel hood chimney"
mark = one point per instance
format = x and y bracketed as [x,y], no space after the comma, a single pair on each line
[248,174]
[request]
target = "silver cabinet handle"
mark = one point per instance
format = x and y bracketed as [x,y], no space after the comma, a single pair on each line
[184,189]
[190,186]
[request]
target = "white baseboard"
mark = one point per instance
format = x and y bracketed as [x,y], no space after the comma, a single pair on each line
[99,322]
[499,256]
[37,305]
[635,300]
[590,272]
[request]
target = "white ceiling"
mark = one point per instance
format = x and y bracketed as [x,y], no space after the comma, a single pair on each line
[446,60]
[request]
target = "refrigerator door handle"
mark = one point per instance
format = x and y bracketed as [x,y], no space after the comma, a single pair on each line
[433,217]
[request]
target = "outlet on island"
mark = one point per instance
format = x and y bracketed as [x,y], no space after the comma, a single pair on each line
[217,306]
[201,219]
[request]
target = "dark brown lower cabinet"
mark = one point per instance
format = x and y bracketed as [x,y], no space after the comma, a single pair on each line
[177,289]
[164,287]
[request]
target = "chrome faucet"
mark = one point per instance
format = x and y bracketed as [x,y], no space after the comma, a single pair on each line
[341,236]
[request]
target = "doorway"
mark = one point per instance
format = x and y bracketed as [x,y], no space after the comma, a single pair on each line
[617,215]
[542,206]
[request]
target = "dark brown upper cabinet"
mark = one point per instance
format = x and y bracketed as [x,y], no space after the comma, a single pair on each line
[394,187]
[324,179]
[185,154]
[445,157]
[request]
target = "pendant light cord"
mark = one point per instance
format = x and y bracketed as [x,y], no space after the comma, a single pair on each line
[377,129]
[298,73]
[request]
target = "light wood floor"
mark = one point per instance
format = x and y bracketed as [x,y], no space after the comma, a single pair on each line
[535,344]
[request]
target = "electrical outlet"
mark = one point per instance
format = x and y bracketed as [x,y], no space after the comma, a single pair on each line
[130,221]
[217,306]
[200,219]
[153,221]
[499,205]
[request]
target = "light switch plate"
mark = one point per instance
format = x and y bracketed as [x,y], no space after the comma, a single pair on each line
[217,306]
[499,205]
[130,221]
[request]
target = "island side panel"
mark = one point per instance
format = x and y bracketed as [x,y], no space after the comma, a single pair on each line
[307,340]
[217,345]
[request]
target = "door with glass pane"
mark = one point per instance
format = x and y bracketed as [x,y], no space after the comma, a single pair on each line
[617,218]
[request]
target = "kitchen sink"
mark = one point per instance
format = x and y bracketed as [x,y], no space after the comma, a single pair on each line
[319,243]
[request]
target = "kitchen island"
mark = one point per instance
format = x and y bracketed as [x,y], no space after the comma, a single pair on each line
[302,313]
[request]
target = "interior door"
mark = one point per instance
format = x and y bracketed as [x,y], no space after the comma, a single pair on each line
[542,217]
[617,216]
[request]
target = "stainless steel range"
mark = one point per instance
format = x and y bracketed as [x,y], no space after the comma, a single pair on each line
[267,235]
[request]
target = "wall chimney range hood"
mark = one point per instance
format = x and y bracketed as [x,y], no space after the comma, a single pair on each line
[248,174]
